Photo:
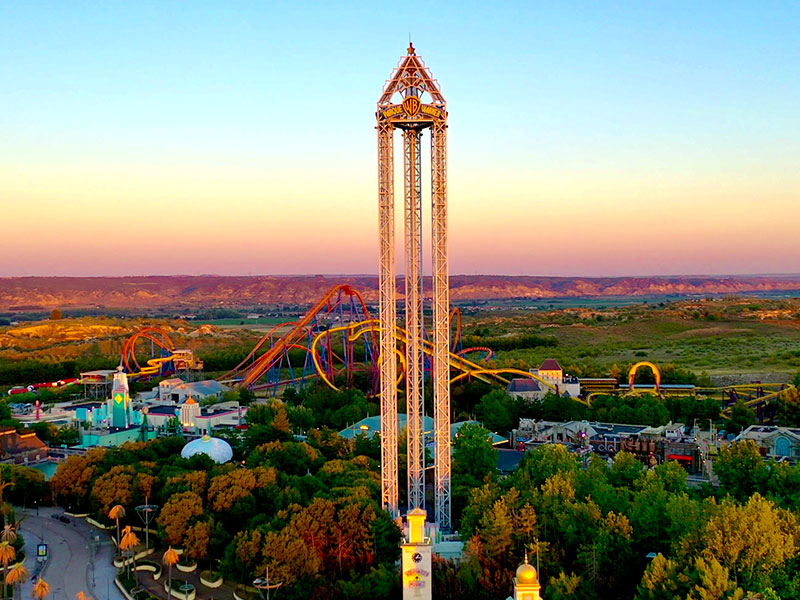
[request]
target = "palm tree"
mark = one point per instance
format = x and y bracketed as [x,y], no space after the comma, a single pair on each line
[117,512]
[7,554]
[3,507]
[128,543]
[82,596]
[40,589]
[16,575]
[170,558]
[9,534]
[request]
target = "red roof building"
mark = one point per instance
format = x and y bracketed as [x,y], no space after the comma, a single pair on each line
[21,447]
[550,364]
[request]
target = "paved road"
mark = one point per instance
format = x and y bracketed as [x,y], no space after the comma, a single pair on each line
[75,562]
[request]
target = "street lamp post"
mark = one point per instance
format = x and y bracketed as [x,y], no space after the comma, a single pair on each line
[263,583]
[147,513]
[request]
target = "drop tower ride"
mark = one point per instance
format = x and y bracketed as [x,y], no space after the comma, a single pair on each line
[412,102]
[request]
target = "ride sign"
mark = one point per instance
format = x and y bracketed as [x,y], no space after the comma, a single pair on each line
[41,552]
[412,108]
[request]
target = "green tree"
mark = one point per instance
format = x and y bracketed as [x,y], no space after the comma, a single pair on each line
[473,453]
[68,436]
[660,581]
[789,407]
[752,540]
[741,469]
[301,418]
[494,411]
[607,558]
[474,459]
[44,431]
[625,470]
[540,464]
[259,414]
[742,416]
[565,587]
[713,582]
[246,397]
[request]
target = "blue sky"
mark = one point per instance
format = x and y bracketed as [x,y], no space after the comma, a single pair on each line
[606,111]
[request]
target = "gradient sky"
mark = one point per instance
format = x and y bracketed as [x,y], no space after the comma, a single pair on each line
[586,138]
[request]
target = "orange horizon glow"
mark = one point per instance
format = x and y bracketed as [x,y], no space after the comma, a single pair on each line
[109,220]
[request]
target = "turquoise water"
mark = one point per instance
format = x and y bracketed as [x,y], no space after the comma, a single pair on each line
[48,468]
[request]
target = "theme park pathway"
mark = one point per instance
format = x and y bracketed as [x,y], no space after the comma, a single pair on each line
[79,556]
[156,588]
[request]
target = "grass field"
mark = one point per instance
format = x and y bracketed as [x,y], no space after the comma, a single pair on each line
[732,337]
[741,339]
[263,322]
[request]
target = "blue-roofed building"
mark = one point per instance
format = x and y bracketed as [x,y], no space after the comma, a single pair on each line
[372,425]
[526,388]
[177,391]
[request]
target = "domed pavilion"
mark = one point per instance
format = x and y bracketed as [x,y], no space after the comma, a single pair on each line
[218,450]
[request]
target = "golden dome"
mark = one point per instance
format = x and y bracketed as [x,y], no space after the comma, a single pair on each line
[527,573]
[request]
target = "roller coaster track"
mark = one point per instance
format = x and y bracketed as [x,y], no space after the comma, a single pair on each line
[489,353]
[274,348]
[247,375]
[760,400]
[466,367]
[155,366]
[170,360]
[455,337]
[157,337]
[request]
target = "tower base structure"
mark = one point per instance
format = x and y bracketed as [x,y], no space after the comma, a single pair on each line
[416,561]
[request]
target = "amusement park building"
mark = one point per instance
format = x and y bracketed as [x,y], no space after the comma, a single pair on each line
[775,442]
[21,447]
[196,419]
[178,391]
[649,444]
[370,426]
[551,372]
[527,389]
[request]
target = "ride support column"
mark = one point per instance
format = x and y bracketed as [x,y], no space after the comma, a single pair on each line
[388,320]
[413,308]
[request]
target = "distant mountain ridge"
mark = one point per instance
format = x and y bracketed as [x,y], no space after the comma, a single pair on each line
[36,293]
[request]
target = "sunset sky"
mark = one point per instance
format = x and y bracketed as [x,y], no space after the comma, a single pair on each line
[586,138]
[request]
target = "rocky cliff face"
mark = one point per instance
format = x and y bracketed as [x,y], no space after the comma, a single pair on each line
[37,293]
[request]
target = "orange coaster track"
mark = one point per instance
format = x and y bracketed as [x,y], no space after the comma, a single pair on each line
[155,366]
[464,367]
[342,304]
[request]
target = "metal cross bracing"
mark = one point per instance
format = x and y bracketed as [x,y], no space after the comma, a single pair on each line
[441,326]
[414,320]
[421,106]
[388,319]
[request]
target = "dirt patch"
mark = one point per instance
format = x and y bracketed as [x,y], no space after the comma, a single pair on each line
[742,378]
[712,332]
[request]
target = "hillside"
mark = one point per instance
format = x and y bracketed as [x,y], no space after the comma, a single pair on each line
[44,293]
[71,339]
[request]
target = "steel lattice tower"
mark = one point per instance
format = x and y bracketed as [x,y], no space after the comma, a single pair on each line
[421,107]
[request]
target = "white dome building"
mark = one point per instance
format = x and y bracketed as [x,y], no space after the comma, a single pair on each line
[219,450]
